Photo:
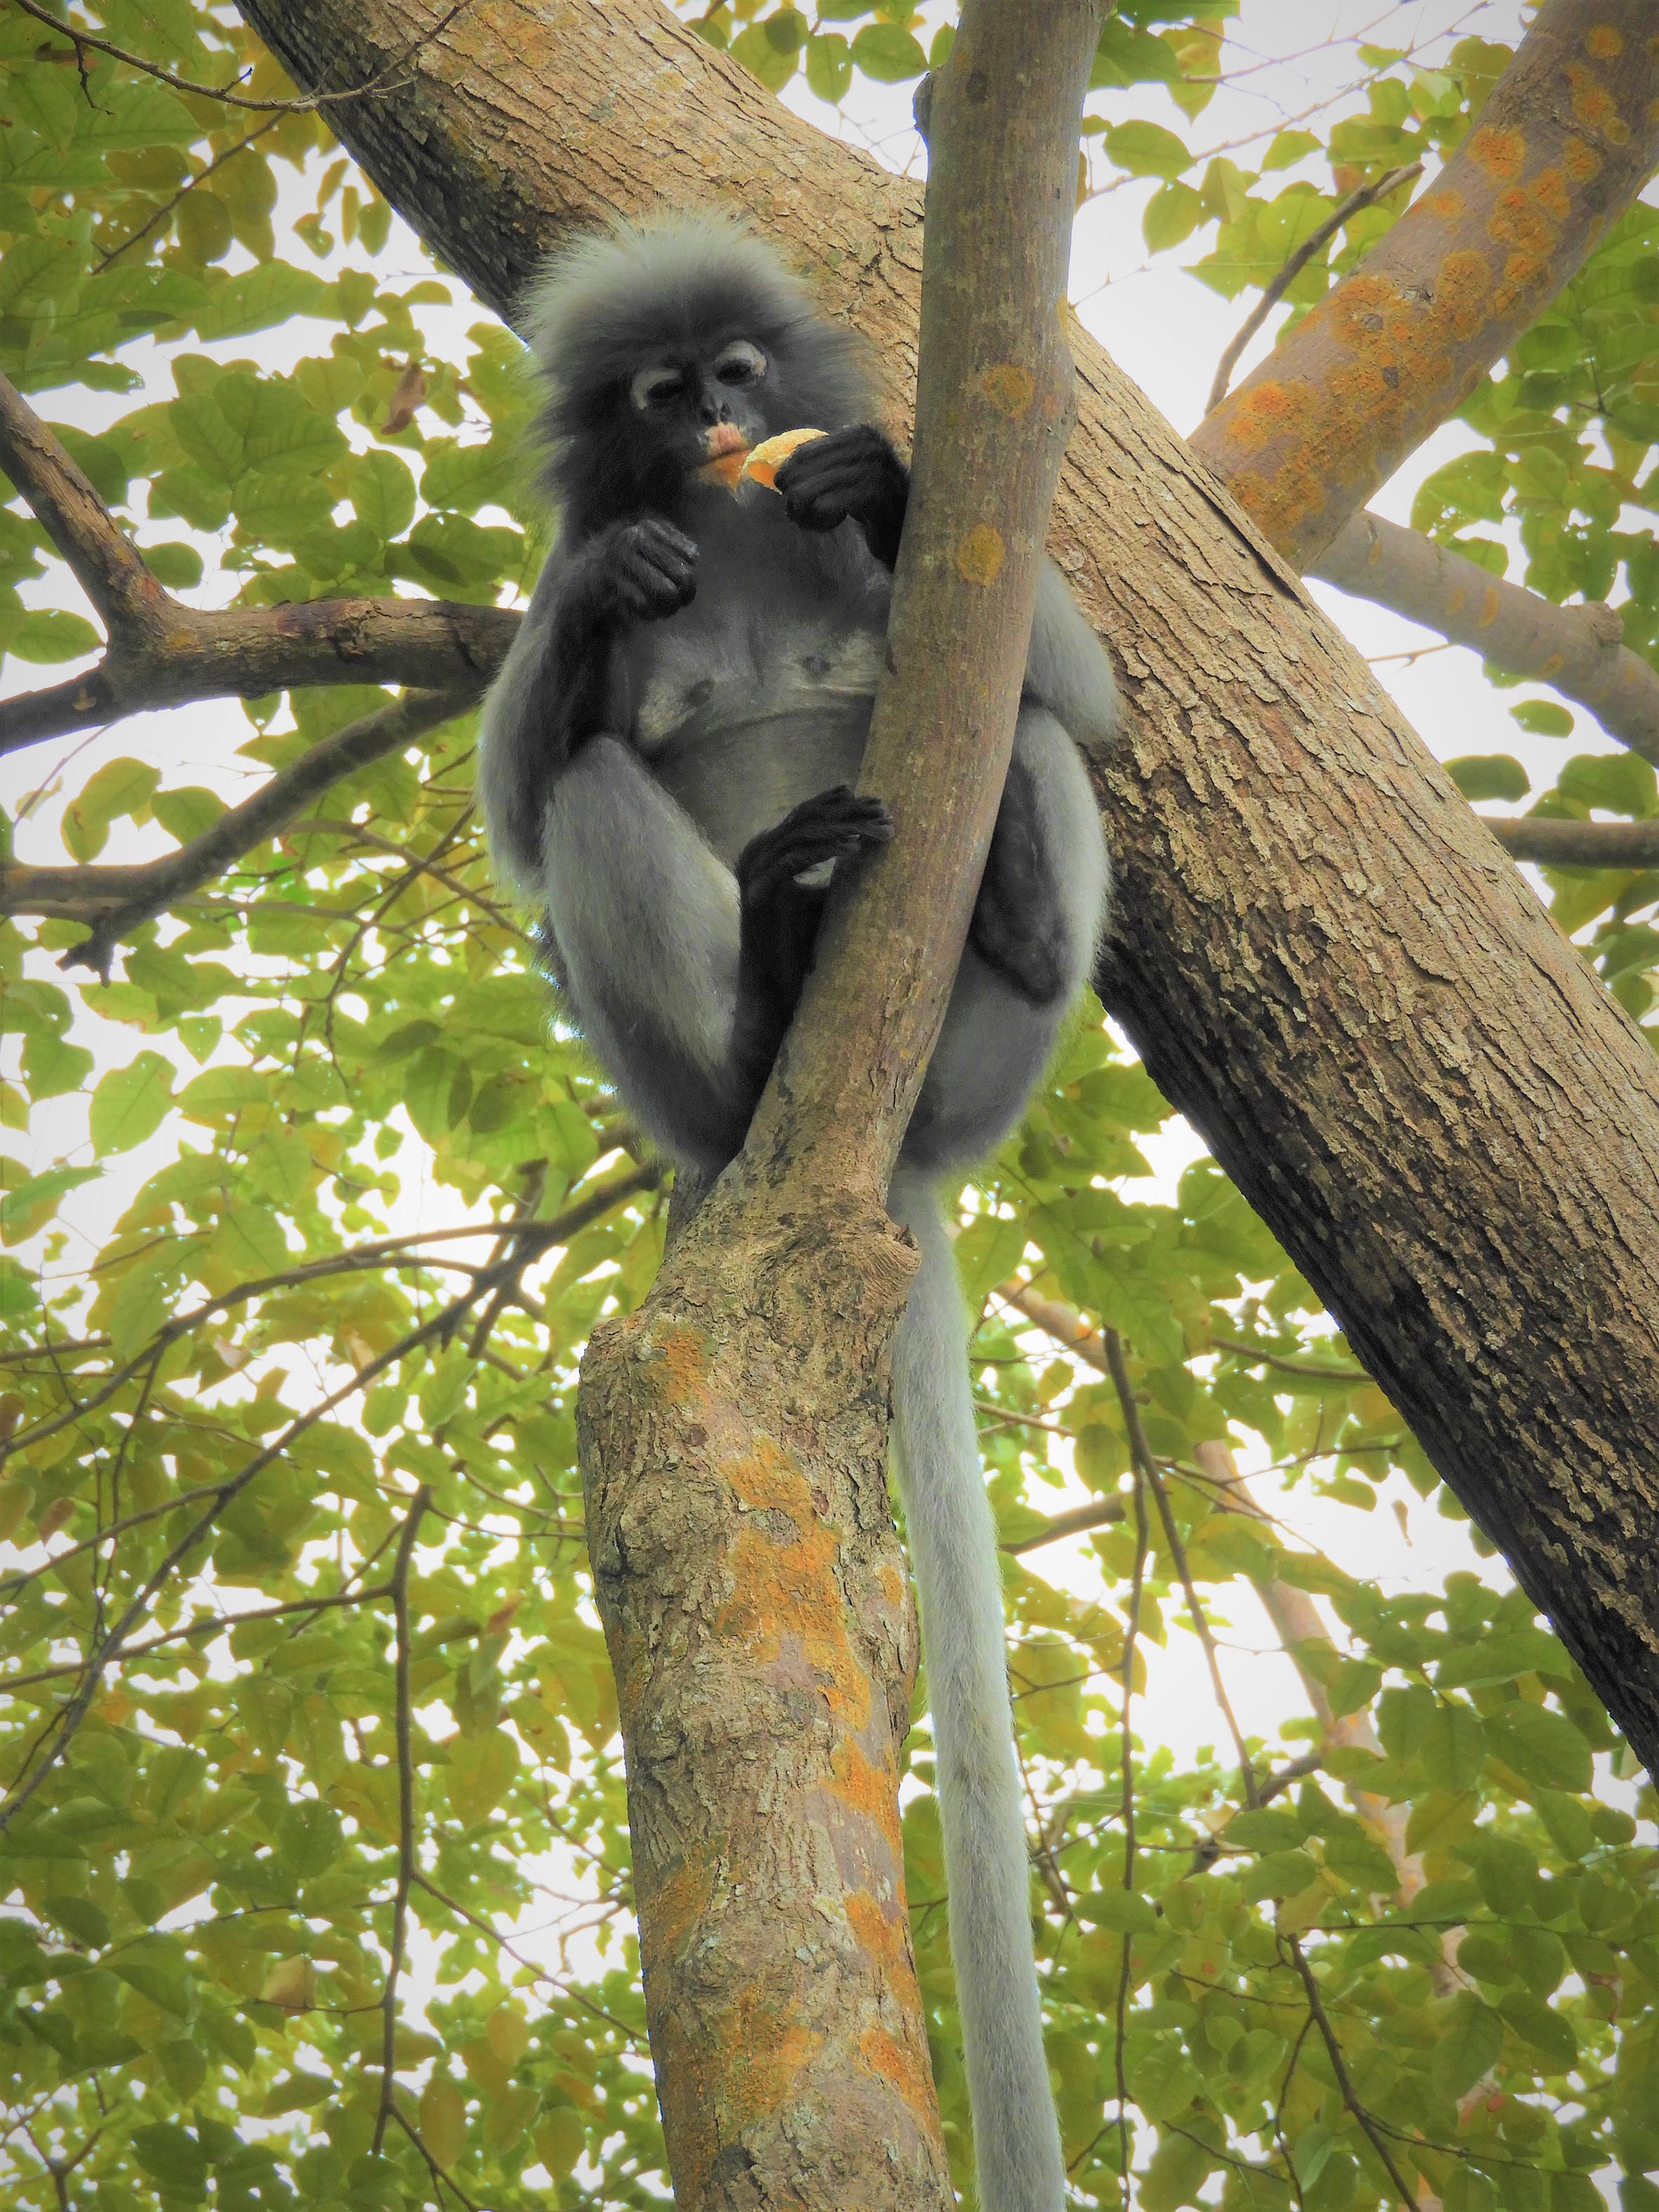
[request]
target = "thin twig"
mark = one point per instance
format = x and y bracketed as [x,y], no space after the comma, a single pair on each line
[1344,2081]
[1293,269]
[474,1920]
[161,213]
[299,104]
[440,2174]
[1256,1357]
[405,1727]
[440,1326]
[1128,1807]
[539,1236]
[1146,1469]
[215,1624]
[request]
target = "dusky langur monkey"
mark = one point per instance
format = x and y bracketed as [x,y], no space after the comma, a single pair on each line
[668,761]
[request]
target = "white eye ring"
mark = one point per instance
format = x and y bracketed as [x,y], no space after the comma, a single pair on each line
[656,386]
[740,363]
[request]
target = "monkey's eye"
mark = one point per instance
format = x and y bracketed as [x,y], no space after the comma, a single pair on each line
[740,363]
[657,387]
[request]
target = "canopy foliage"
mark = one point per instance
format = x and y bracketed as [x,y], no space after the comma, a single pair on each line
[308,1211]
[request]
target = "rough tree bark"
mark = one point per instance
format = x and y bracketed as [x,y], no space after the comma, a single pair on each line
[1326,961]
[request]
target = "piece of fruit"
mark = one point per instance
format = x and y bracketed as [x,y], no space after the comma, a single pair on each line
[768,456]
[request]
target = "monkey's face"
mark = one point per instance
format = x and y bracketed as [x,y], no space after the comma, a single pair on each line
[690,410]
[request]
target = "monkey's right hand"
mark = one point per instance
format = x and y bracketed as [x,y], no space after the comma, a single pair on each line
[834,826]
[640,571]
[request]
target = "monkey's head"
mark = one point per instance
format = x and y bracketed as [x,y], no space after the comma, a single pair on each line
[664,346]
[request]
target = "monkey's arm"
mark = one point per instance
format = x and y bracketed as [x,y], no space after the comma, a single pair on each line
[550,698]
[852,473]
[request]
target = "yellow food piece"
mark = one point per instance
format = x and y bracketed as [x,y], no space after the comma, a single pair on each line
[768,456]
[725,468]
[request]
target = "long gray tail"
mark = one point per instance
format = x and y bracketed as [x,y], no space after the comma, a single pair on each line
[953,1552]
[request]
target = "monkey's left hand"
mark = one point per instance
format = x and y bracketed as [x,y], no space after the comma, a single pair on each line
[848,473]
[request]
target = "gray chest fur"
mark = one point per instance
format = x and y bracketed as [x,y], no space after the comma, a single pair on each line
[758,694]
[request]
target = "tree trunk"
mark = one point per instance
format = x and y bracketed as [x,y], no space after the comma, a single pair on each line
[1326,961]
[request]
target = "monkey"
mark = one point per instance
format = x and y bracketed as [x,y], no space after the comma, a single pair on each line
[668,763]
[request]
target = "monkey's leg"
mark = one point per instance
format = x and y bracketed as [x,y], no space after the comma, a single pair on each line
[1030,947]
[780,914]
[646,919]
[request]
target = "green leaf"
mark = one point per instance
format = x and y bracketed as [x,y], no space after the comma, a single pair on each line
[829,66]
[27,1207]
[887,54]
[51,634]
[186,813]
[131,1104]
[1547,2031]
[382,490]
[120,787]
[173,2158]
[772,65]
[1489,776]
[1541,1745]
[1453,1748]
[481,1771]
[1147,150]
[1170,216]
[1468,2047]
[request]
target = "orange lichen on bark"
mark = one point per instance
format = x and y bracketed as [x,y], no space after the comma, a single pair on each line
[906,2070]
[1604,42]
[1501,154]
[1595,105]
[785,1596]
[1580,159]
[867,1789]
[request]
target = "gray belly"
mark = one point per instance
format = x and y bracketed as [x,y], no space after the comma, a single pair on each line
[742,775]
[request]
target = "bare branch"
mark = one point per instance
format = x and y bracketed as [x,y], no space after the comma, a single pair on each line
[1146,1470]
[1576,844]
[1577,650]
[163,653]
[1096,1515]
[106,565]
[1367,196]
[1305,440]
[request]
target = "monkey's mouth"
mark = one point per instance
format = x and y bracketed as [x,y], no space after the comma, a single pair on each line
[727,449]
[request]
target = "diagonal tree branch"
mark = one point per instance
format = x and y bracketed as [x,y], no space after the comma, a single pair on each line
[163,653]
[1566,139]
[115,900]
[1577,650]
[1558,844]
[1294,264]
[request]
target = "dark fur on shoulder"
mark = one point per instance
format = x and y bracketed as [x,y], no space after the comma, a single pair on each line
[677,286]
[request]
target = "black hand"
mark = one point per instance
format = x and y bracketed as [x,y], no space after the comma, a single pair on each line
[641,571]
[779,916]
[852,473]
[836,825]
